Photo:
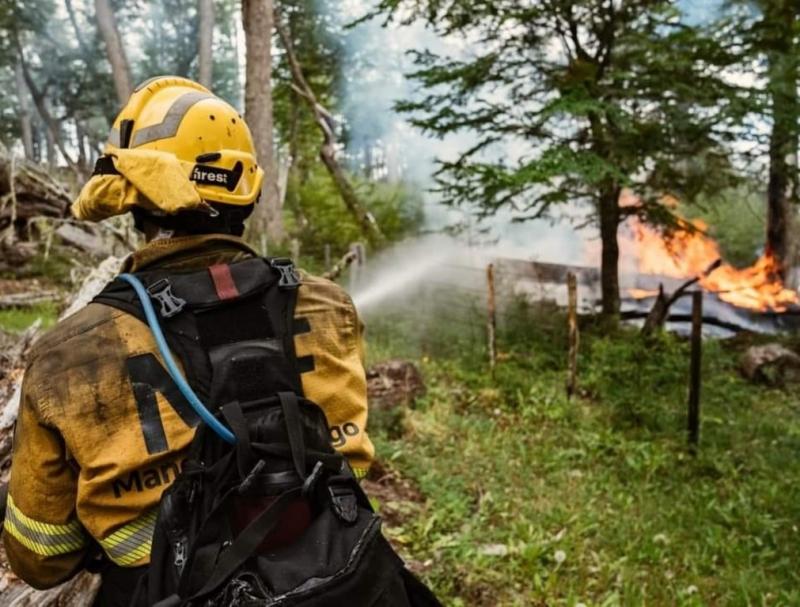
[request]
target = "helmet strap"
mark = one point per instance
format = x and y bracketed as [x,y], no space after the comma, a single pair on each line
[227,220]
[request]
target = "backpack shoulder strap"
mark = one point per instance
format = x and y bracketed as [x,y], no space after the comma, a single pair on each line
[120,295]
[199,288]
[251,301]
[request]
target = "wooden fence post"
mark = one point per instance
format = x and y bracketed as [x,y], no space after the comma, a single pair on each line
[574,336]
[357,267]
[695,370]
[491,323]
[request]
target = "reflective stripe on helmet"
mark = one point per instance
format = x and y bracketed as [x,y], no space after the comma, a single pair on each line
[169,126]
[132,542]
[113,137]
[46,539]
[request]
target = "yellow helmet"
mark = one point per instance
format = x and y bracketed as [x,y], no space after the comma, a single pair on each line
[180,117]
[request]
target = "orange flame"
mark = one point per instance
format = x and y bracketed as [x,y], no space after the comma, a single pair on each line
[642,293]
[687,254]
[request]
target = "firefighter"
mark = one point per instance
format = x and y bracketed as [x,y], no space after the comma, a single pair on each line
[98,438]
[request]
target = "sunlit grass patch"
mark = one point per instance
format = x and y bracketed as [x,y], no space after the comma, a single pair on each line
[16,320]
[531,499]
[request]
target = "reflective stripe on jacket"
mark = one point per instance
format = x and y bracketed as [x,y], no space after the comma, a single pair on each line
[82,475]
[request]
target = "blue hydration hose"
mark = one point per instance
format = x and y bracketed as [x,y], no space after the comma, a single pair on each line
[172,368]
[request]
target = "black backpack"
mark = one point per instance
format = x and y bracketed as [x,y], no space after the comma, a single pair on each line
[277,518]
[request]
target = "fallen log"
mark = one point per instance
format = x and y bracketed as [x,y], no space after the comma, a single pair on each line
[15,255]
[27,191]
[83,238]
[80,590]
[93,284]
[26,300]
[660,310]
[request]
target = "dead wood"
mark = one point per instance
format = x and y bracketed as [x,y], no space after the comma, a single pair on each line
[325,122]
[660,310]
[14,256]
[27,192]
[84,237]
[34,208]
[80,590]
[93,284]
[27,299]
[341,265]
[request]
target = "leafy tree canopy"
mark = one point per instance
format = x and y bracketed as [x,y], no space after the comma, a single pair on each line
[600,94]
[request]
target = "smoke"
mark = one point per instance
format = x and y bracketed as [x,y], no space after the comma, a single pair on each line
[375,66]
[376,62]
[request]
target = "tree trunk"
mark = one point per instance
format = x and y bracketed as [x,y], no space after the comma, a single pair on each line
[366,222]
[325,122]
[77,31]
[294,129]
[608,210]
[38,144]
[782,188]
[257,19]
[25,127]
[205,60]
[233,40]
[52,127]
[80,143]
[52,150]
[120,69]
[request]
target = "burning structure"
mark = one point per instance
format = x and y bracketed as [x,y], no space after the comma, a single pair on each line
[687,253]
[657,265]
[752,298]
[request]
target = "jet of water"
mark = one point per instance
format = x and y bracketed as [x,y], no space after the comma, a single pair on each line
[395,273]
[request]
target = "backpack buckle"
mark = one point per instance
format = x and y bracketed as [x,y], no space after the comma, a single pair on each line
[251,477]
[289,279]
[311,482]
[170,303]
[343,501]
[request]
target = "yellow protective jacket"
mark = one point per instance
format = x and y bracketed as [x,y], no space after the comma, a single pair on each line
[81,474]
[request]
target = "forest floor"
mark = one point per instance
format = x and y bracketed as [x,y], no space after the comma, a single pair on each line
[509,494]
[500,492]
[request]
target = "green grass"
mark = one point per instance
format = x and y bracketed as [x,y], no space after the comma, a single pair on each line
[594,501]
[16,320]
